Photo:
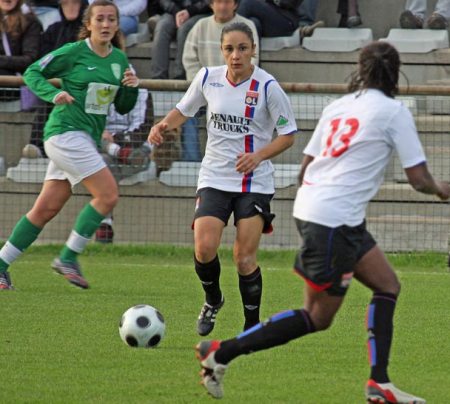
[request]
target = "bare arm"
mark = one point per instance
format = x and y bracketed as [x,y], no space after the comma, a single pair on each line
[307,159]
[422,181]
[247,162]
[172,120]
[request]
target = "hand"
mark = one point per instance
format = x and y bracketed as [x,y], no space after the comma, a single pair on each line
[63,98]
[247,162]
[107,136]
[130,79]
[181,17]
[155,137]
[444,192]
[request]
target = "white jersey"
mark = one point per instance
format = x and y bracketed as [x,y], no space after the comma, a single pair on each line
[240,119]
[351,146]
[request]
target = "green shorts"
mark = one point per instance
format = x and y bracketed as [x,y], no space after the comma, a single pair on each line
[328,255]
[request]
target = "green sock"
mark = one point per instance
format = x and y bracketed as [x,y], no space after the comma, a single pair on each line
[87,223]
[22,236]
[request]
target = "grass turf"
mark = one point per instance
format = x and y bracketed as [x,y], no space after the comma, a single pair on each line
[59,344]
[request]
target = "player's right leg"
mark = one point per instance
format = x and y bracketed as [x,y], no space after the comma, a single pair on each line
[207,235]
[213,209]
[53,196]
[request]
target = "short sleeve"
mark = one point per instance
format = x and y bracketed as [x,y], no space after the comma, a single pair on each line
[280,109]
[194,97]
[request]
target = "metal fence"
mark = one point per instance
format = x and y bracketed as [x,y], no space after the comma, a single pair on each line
[158,196]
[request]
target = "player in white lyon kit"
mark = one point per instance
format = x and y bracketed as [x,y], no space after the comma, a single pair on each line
[244,106]
[342,169]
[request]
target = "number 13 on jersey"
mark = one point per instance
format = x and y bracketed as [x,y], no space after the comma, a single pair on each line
[341,133]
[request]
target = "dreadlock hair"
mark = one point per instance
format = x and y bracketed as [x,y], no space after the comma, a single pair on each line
[118,40]
[378,68]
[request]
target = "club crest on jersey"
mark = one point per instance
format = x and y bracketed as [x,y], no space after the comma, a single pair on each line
[251,98]
[115,67]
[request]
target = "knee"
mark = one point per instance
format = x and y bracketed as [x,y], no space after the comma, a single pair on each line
[205,252]
[245,263]
[322,324]
[109,201]
[393,287]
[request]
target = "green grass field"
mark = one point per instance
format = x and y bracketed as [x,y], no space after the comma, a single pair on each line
[59,344]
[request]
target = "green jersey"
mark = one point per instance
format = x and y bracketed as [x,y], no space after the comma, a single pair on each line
[94,82]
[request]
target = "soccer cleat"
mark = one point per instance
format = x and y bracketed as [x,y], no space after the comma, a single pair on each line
[207,318]
[212,373]
[5,281]
[71,271]
[387,393]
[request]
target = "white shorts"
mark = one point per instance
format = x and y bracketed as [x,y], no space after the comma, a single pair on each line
[73,157]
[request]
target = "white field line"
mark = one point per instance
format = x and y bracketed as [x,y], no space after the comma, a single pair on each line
[445,271]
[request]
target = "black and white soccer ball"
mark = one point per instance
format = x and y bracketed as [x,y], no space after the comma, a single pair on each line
[142,326]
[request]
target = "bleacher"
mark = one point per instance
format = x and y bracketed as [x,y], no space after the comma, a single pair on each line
[425,61]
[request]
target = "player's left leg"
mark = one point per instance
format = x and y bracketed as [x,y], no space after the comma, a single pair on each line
[103,188]
[375,272]
[248,236]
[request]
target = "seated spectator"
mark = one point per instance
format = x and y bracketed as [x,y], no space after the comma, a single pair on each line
[414,15]
[45,10]
[21,37]
[349,11]
[154,12]
[202,48]
[129,14]
[177,20]
[125,148]
[274,18]
[21,33]
[56,35]
[308,23]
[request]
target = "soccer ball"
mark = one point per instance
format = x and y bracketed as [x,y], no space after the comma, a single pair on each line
[142,326]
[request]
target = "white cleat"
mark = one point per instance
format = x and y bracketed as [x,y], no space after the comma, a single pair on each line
[212,373]
[387,393]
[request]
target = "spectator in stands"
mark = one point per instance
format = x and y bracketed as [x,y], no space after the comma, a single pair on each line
[129,14]
[46,11]
[177,20]
[56,35]
[125,149]
[274,18]
[414,15]
[202,48]
[349,11]
[245,106]
[94,73]
[154,11]
[21,33]
[342,169]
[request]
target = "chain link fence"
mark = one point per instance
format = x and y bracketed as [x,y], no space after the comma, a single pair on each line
[158,187]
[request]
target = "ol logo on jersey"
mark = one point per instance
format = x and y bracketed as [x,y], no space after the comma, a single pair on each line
[251,99]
